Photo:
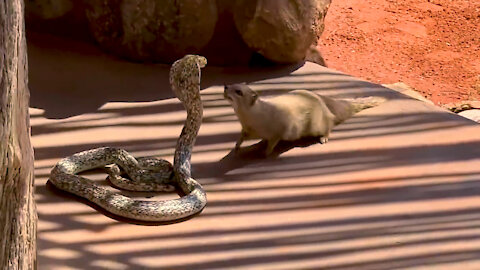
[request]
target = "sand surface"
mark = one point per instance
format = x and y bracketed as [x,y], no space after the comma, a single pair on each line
[433,46]
[396,186]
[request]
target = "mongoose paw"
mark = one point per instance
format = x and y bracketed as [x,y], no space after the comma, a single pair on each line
[323,140]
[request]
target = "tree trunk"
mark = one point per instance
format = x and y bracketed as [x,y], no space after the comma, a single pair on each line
[17,207]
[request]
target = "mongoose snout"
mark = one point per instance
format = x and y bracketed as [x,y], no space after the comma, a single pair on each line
[239,93]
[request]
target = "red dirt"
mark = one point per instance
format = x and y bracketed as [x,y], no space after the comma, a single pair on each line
[431,45]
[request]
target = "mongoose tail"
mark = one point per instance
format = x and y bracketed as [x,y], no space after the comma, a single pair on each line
[344,109]
[360,104]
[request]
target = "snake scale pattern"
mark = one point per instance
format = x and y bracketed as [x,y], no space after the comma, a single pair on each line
[146,174]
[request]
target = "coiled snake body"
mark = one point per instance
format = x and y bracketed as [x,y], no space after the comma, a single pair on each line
[146,174]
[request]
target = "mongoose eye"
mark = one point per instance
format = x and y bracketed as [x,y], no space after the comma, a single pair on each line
[238,92]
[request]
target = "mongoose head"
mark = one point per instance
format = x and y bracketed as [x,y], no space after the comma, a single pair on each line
[240,96]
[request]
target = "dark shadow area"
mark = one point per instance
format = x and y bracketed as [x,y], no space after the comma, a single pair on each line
[70,77]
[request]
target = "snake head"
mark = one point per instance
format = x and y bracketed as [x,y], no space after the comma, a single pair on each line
[187,70]
[185,75]
[201,61]
[198,59]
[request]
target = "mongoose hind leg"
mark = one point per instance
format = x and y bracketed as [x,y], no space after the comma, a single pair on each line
[271,145]
[323,139]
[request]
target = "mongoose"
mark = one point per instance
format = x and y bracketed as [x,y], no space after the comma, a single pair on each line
[289,117]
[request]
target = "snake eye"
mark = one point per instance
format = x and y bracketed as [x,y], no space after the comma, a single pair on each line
[238,92]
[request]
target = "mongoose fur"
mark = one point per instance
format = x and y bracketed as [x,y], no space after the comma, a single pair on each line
[292,116]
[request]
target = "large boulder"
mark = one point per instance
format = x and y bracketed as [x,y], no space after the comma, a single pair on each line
[281,30]
[226,48]
[321,9]
[238,32]
[47,9]
[152,30]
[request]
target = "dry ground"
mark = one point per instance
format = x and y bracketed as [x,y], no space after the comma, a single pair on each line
[431,45]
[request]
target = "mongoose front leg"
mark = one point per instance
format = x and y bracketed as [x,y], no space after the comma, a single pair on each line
[243,136]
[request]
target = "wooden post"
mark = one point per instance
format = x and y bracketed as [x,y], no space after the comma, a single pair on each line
[17,207]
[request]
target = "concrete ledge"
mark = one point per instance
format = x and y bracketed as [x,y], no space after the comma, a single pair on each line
[396,187]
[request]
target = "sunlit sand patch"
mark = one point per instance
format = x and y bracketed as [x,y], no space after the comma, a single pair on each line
[60,253]
[63,208]
[109,264]
[39,122]
[44,225]
[35,112]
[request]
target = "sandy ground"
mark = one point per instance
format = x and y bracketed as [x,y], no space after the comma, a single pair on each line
[431,45]
[392,189]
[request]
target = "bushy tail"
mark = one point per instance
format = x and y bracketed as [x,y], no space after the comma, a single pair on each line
[359,104]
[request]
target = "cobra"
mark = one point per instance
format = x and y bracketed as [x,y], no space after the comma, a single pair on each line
[146,174]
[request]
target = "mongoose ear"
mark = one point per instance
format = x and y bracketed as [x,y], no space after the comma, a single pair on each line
[254,98]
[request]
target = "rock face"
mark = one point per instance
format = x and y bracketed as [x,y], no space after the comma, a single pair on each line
[321,9]
[48,9]
[460,106]
[280,30]
[226,32]
[150,30]
[226,47]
